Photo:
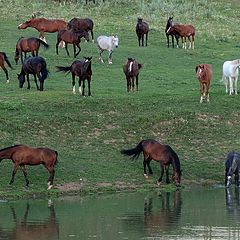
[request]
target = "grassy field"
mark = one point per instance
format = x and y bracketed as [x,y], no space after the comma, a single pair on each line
[89,132]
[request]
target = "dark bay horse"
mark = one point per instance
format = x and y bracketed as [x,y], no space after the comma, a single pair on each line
[131,70]
[4,58]
[72,37]
[83,70]
[142,28]
[81,23]
[22,155]
[164,154]
[36,66]
[25,45]
[232,167]
[44,25]
[172,33]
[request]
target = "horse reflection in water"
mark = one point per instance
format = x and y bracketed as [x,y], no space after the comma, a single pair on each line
[26,230]
[233,202]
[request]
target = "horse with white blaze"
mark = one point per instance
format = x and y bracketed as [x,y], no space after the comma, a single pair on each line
[230,75]
[108,44]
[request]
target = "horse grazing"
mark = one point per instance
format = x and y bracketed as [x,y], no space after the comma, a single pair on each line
[142,28]
[131,70]
[204,75]
[232,166]
[184,31]
[172,33]
[36,66]
[72,37]
[22,155]
[25,45]
[44,25]
[83,70]
[4,58]
[164,154]
[81,23]
[230,75]
[107,43]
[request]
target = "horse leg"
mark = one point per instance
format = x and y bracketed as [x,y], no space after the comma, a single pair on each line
[67,50]
[128,84]
[146,38]
[33,54]
[202,91]
[139,40]
[226,176]
[100,55]
[74,50]
[83,90]
[51,177]
[89,87]
[57,46]
[132,80]
[192,42]
[6,73]
[137,83]
[236,178]
[73,82]
[25,174]
[167,174]
[231,85]
[144,168]
[148,165]
[28,81]
[35,80]
[14,173]
[22,57]
[78,45]
[92,36]
[110,57]
[226,80]
[42,37]
[142,40]
[172,41]
[161,175]
[80,87]
[235,83]
[207,91]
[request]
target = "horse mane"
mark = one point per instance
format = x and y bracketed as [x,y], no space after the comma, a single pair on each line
[175,159]
[14,146]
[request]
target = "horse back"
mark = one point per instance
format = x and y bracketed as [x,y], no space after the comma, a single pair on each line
[133,70]
[49,25]
[142,28]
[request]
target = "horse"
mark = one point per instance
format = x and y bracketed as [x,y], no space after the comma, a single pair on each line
[172,33]
[142,28]
[22,155]
[107,43]
[25,45]
[204,75]
[131,71]
[81,23]
[36,66]
[230,75]
[72,37]
[232,166]
[164,154]
[44,25]
[83,70]
[4,58]
[184,31]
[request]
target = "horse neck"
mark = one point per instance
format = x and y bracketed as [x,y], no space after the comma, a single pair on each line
[6,153]
[176,164]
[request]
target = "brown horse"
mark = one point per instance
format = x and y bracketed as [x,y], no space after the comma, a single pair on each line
[184,31]
[131,70]
[3,58]
[81,23]
[44,25]
[164,154]
[72,37]
[204,75]
[83,70]
[142,28]
[25,45]
[22,155]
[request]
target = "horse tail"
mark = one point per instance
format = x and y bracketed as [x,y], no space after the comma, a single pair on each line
[56,162]
[44,74]
[43,43]
[63,69]
[6,60]
[134,152]
[224,80]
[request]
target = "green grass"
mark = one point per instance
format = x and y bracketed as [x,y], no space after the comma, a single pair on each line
[88,132]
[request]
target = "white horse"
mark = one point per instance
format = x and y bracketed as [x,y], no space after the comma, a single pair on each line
[107,43]
[230,75]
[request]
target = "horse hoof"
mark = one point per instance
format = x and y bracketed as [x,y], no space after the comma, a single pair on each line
[145,175]
[8,81]
[49,187]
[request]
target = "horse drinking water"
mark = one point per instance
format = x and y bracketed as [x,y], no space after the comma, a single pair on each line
[36,66]
[131,71]
[4,58]
[108,44]
[230,75]
[22,155]
[142,28]
[164,154]
[25,45]
[232,166]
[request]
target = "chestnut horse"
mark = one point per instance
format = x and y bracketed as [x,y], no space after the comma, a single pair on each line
[204,75]
[81,23]
[142,28]
[72,37]
[25,45]
[172,33]
[22,155]
[131,70]
[164,154]
[44,25]
[3,58]
[83,70]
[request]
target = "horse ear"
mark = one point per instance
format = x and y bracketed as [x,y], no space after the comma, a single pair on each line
[34,15]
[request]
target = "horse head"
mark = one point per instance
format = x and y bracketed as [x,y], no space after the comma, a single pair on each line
[200,71]
[24,25]
[176,178]
[115,41]
[21,79]
[139,20]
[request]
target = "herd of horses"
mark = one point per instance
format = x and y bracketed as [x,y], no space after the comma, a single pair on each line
[71,33]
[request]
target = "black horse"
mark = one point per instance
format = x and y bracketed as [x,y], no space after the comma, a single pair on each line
[232,166]
[83,70]
[171,33]
[36,66]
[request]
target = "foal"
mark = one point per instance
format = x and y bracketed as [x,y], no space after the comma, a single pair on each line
[142,28]
[131,70]
[204,75]
[3,58]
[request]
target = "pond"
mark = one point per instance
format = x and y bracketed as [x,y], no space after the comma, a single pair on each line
[199,213]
